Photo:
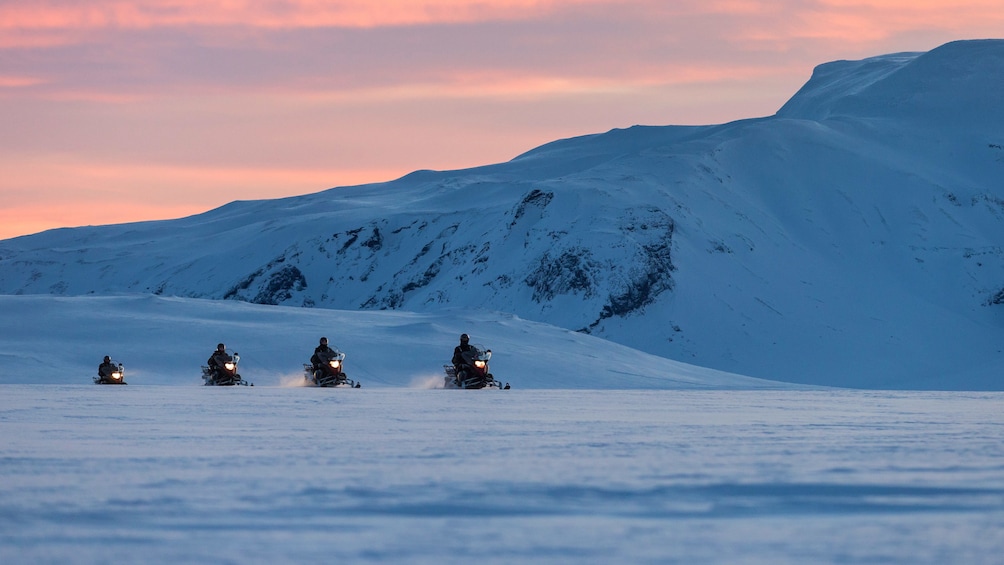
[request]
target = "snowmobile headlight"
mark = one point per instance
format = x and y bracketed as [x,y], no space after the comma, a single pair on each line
[335,363]
[229,365]
[117,376]
[479,364]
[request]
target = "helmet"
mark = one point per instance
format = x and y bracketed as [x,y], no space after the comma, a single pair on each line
[324,341]
[464,338]
[108,359]
[220,347]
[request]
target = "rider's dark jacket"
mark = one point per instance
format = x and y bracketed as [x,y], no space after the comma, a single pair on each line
[458,351]
[218,358]
[316,357]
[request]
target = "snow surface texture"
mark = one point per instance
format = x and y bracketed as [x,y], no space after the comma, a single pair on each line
[175,474]
[856,238]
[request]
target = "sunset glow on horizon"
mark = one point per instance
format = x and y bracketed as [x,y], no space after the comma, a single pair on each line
[117,111]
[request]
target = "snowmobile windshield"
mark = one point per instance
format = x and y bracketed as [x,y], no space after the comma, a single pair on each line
[479,353]
[335,354]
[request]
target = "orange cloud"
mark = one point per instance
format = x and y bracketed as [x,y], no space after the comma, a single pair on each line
[28,20]
[635,76]
[30,24]
[19,81]
[289,13]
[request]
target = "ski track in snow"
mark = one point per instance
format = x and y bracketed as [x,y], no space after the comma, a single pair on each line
[165,474]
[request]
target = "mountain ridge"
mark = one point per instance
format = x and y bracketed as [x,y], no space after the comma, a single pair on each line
[855,238]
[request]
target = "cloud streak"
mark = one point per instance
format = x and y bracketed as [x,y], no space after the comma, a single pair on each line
[275,14]
[141,48]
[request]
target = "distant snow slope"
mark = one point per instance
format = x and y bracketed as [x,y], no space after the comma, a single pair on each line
[61,340]
[856,238]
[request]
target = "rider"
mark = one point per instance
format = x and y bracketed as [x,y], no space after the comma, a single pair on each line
[322,354]
[218,358]
[458,353]
[106,367]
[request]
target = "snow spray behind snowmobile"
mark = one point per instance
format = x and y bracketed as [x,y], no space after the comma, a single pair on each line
[473,372]
[114,374]
[225,375]
[329,371]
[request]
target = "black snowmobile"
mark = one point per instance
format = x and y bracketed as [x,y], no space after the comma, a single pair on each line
[473,372]
[111,373]
[225,374]
[328,372]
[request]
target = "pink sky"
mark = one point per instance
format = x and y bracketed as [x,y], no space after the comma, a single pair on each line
[116,111]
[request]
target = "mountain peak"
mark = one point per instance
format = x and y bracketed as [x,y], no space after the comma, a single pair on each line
[960,81]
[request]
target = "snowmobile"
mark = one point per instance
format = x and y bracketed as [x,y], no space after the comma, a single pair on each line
[328,372]
[473,373]
[226,375]
[115,375]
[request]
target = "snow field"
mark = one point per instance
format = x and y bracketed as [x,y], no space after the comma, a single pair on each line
[170,474]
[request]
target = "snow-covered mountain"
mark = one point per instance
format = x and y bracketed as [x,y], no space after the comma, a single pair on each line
[855,238]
